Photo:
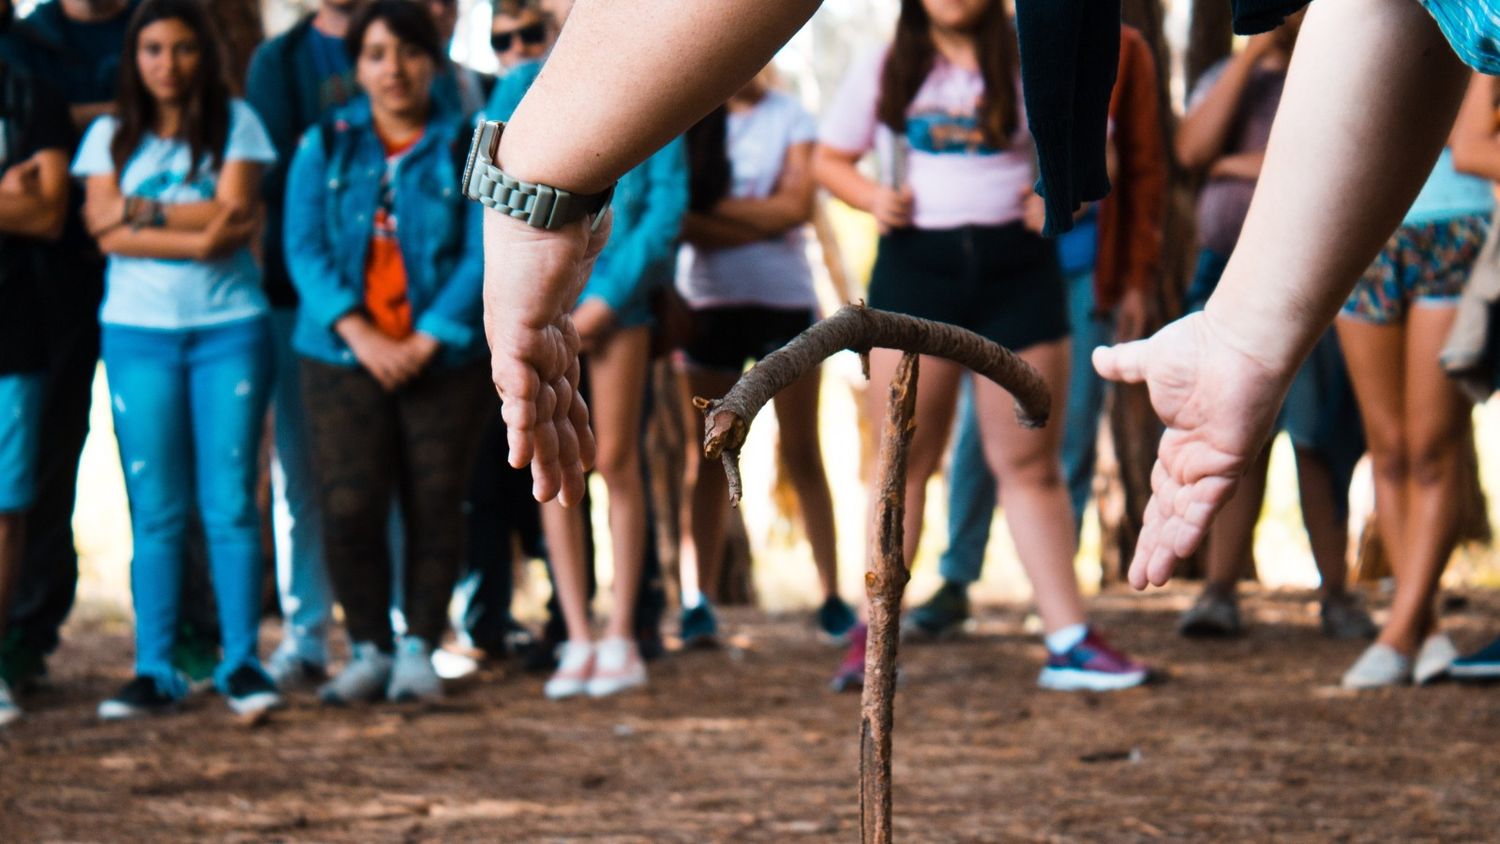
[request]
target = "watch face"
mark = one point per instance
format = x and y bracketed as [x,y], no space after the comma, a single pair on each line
[474,147]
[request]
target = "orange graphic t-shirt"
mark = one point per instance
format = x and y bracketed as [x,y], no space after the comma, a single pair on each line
[385,272]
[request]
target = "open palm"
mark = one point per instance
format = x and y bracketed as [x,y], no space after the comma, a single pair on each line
[1219,405]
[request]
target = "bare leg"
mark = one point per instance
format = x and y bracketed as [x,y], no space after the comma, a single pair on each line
[802,456]
[707,494]
[563,527]
[618,374]
[1231,542]
[937,398]
[1028,465]
[1435,413]
[1326,532]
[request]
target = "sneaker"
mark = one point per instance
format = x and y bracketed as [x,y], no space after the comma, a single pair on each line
[700,627]
[1344,618]
[1483,664]
[195,655]
[836,620]
[574,667]
[412,676]
[944,614]
[141,696]
[363,679]
[9,711]
[617,667]
[851,672]
[1215,614]
[250,691]
[21,666]
[1379,666]
[290,670]
[1091,666]
[1434,658]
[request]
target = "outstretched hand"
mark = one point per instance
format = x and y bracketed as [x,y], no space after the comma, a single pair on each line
[1219,403]
[532,279]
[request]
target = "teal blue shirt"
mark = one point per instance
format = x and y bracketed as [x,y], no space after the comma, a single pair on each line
[648,206]
[1448,194]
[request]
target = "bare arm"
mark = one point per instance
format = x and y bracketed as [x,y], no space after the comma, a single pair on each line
[788,207]
[202,230]
[837,171]
[1244,165]
[34,196]
[707,231]
[1205,128]
[1475,142]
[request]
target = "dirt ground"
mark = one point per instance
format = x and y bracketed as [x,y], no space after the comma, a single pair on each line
[1244,740]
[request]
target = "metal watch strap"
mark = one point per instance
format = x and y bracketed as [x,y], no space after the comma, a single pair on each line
[537,205]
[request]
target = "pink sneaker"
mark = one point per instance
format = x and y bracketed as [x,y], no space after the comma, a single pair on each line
[851,672]
[1092,666]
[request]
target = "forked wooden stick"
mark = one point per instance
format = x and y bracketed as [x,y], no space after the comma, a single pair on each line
[861,329]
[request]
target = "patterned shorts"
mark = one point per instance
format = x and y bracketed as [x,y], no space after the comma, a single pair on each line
[1424,262]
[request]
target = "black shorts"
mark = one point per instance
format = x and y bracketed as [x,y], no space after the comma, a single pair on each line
[724,337]
[1001,282]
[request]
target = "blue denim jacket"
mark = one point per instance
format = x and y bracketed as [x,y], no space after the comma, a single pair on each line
[649,203]
[331,199]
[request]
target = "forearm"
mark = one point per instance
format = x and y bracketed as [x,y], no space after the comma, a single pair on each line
[841,178]
[711,232]
[1202,133]
[770,216]
[159,243]
[191,216]
[1245,165]
[596,110]
[1370,97]
[31,215]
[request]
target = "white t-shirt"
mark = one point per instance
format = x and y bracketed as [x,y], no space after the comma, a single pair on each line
[774,272]
[177,294]
[956,178]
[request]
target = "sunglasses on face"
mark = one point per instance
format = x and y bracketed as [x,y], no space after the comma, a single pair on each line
[530,35]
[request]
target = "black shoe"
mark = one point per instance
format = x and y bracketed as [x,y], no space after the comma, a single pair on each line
[138,698]
[944,614]
[249,691]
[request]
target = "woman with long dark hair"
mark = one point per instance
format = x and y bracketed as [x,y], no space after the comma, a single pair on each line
[172,178]
[387,260]
[943,104]
[745,274]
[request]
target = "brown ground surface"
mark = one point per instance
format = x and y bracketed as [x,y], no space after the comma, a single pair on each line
[1246,740]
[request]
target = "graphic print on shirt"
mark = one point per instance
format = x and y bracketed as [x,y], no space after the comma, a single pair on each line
[160,185]
[946,131]
[385,272]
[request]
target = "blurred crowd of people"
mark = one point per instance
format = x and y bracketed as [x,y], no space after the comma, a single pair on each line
[297,249]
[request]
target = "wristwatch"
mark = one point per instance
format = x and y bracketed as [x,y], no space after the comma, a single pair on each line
[543,206]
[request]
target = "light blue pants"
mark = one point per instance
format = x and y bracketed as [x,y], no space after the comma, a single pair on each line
[21,396]
[972,495]
[301,577]
[188,409]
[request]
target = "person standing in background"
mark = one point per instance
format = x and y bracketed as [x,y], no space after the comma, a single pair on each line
[36,137]
[295,78]
[75,46]
[387,259]
[519,33]
[1111,263]
[172,182]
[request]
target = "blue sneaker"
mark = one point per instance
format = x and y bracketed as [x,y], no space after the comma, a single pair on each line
[835,620]
[1483,664]
[1092,666]
[700,627]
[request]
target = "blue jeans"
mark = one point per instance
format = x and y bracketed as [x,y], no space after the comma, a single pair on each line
[301,577]
[972,496]
[188,409]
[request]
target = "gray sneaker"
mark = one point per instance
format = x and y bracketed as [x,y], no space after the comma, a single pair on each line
[363,679]
[413,678]
[1434,659]
[1379,666]
[290,670]
[1344,618]
[1214,614]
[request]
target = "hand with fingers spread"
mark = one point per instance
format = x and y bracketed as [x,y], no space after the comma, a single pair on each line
[532,280]
[1219,402]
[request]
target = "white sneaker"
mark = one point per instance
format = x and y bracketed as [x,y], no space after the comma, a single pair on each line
[1434,659]
[574,667]
[1379,666]
[9,712]
[364,677]
[617,667]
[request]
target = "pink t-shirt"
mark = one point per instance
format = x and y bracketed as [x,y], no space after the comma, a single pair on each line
[955,177]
